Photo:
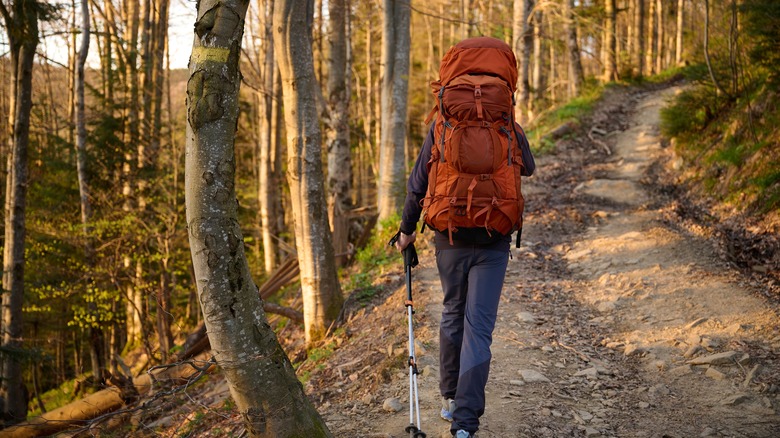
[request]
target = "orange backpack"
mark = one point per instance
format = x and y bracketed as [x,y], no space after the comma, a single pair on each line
[476,162]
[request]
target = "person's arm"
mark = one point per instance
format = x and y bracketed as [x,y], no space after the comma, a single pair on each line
[416,187]
[529,165]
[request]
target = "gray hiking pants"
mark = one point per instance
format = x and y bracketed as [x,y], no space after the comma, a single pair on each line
[472,278]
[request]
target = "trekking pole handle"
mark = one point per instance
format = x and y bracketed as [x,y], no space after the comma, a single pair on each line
[409,253]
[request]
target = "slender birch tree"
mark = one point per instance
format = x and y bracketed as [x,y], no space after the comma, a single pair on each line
[576,75]
[610,31]
[523,37]
[339,157]
[396,41]
[322,297]
[268,187]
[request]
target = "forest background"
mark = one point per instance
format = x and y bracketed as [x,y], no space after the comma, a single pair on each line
[97,261]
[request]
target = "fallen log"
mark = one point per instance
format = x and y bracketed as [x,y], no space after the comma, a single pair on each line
[84,411]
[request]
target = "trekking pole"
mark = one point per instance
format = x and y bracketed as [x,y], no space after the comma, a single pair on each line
[410,261]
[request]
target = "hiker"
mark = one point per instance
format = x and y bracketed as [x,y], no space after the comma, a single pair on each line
[467,178]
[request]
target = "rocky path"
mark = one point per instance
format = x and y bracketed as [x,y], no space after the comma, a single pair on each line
[612,322]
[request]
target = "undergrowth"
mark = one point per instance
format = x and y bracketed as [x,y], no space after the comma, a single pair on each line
[572,111]
[729,143]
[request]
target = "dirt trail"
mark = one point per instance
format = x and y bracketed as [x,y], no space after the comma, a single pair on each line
[612,323]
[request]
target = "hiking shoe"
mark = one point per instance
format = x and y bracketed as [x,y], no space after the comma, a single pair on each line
[448,407]
[463,434]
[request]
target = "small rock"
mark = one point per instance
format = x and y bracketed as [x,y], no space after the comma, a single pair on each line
[733,329]
[585,415]
[693,339]
[643,405]
[707,432]
[590,431]
[590,373]
[533,376]
[691,351]
[517,382]
[709,344]
[392,404]
[681,370]
[526,317]
[725,358]
[606,306]
[632,350]
[735,400]
[714,374]
[368,399]
[548,349]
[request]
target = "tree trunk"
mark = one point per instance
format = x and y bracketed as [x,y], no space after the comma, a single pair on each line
[338,146]
[21,24]
[396,41]
[538,65]
[322,298]
[268,187]
[262,381]
[652,39]
[659,55]
[610,50]
[678,53]
[523,36]
[576,75]
[707,47]
[135,307]
[639,39]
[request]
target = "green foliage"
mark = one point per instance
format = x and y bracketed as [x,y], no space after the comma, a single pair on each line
[572,111]
[761,22]
[690,112]
[729,143]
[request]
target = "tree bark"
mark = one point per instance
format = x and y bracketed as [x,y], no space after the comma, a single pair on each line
[396,40]
[268,184]
[21,24]
[322,298]
[659,55]
[523,36]
[652,39]
[262,381]
[639,39]
[537,76]
[678,53]
[610,28]
[338,146]
[576,75]
[707,47]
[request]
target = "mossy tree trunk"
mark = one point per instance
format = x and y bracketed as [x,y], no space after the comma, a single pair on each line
[262,381]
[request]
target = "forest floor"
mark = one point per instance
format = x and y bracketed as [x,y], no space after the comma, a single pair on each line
[615,319]
[619,318]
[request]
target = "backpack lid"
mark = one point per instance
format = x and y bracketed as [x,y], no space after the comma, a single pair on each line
[480,55]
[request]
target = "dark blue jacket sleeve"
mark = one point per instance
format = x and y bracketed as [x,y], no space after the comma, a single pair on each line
[416,187]
[529,165]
